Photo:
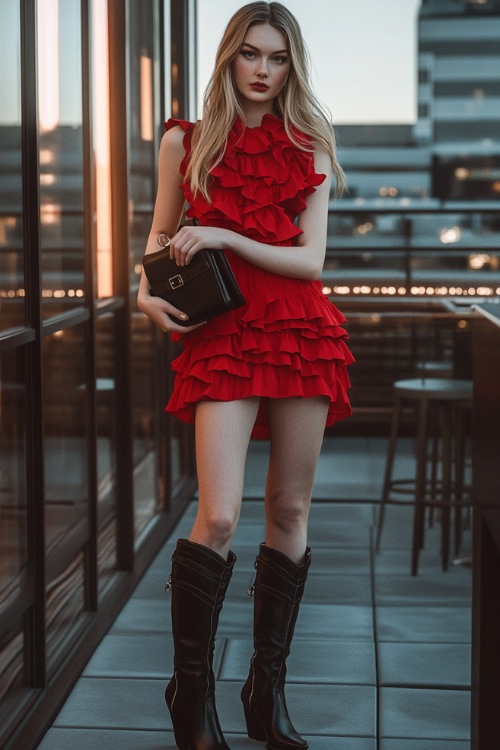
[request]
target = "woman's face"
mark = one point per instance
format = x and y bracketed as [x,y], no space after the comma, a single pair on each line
[262,65]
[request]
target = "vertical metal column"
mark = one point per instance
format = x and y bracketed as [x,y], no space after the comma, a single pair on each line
[90,549]
[34,633]
[117,31]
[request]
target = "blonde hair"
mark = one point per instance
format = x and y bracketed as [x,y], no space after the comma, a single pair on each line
[296,104]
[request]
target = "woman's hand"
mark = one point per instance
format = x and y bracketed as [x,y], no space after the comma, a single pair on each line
[189,240]
[163,313]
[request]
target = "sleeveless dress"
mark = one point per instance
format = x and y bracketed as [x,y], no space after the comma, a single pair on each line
[286,340]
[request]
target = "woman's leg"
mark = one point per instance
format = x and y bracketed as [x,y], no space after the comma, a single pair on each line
[223,430]
[297,428]
[202,568]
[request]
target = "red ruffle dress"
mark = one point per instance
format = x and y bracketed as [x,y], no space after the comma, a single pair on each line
[286,340]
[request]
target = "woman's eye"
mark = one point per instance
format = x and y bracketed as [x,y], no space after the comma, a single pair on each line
[248,54]
[279,59]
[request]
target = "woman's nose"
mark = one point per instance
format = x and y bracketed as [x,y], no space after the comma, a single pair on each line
[263,71]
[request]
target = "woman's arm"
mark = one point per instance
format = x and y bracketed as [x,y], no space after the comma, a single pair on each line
[306,260]
[167,215]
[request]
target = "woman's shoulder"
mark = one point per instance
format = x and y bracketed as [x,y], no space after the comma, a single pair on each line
[181,126]
[176,140]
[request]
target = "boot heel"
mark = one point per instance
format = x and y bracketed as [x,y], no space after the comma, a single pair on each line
[255,729]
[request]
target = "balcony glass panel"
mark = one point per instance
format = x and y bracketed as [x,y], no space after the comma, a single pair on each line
[65,404]
[144,93]
[66,482]
[146,410]
[106,442]
[12,289]
[61,154]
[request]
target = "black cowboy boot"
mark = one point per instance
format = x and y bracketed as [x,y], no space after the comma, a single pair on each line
[199,581]
[278,589]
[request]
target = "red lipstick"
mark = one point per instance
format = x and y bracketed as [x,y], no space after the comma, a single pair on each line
[259,86]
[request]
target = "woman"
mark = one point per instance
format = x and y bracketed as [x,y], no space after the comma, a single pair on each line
[256,172]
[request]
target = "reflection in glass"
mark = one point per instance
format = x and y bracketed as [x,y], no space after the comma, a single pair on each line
[66,481]
[64,606]
[13,546]
[12,472]
[11,671]
[106,442]
[61,154]
[145,410]
[144,94]
[101,125]
[12,297]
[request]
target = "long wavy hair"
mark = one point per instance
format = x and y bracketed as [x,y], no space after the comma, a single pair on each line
[296,104]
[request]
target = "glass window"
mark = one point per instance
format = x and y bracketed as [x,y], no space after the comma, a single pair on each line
[65,414]
[66,480]
[12,307]
[106,442]
[12,471]
[146,411]
[146,126]
[11,673]
[61,154]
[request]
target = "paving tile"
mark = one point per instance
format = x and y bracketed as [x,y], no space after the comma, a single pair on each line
[442,589]
[106,739]
[338,621]
[338,559]
[329,514]
[337,743]
[397,562]
[315,709]
[424,624]
[318,661]
[422,714]
[338,589]
[443,665]
[104,703]
[148,616]
[145,655]
[342,533]
[399,744]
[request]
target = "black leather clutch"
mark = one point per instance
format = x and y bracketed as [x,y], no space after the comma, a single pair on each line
[203,289]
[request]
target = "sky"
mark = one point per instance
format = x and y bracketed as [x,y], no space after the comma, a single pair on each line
[363,53]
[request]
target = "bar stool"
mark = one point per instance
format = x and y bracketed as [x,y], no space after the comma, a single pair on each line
[442,402]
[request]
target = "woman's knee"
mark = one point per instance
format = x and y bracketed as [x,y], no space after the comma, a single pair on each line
[287,512]
[218,525]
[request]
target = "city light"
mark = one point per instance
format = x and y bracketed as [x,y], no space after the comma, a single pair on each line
[450,235]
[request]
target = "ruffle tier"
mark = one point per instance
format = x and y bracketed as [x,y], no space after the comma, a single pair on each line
[261,184]
[286,343]
[287,340]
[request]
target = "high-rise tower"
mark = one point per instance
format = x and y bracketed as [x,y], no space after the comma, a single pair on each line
[459,95]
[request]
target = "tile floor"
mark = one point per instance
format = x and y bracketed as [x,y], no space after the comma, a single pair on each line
[380,660]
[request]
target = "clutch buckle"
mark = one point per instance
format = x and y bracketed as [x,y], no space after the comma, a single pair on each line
[176,281]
